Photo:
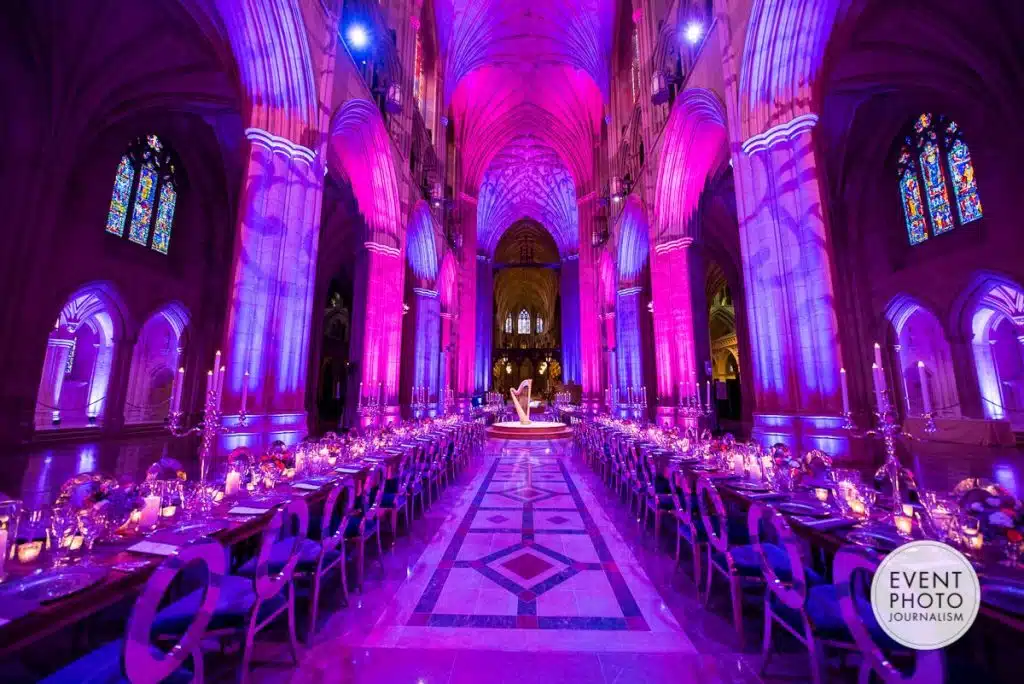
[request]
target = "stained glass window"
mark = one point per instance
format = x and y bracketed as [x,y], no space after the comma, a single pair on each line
[142,214]
[961,172]
[164,218]
[119,198]
[146,189]
[419,81]
[508,323]
[928,165]
[540,325]
[524,322]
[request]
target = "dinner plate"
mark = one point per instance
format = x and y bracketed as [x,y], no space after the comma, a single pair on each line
[814,510]
[874,540]
[749,486]
[199,528]
[53,585]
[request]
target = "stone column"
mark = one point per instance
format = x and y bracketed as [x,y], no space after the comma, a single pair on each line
[428,340]
[464,380]
[570,292]
[629,345]
[591,361]
[58,349]
[674,331]
[484,321]
[269,320]
[790,298]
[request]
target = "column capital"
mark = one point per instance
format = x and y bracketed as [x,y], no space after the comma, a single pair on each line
[423,292]
[379,248]
[627,291]
[276,143]
[673,245]
[779,133]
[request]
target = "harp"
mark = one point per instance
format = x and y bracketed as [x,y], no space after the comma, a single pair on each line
[522,408]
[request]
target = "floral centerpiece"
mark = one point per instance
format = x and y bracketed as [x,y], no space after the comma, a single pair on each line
[1000,514]
[106,502]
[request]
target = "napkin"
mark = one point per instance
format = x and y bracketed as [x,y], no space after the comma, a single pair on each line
[350,471]
[153,548]
[312,486]
[247,510]
[769,495]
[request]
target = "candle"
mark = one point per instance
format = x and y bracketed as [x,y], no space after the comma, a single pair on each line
[29,551]
[210,383]
[821,493]
[908,510]
[857,506]
[878,355]
[245,391]
[707,394]
[876,373]
[682,394]
[904,524]
[845,389]
[216,360]
[925,395]
[3,550]
[179,379]
[168,511]
[150,511]
[233,483]
[975,541]
[300,460]
[380,391]
[220,385]
[359,398]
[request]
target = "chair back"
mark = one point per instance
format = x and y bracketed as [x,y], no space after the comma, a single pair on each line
[682,498]
[792,591]
[294,516]
[338,506]
[141,660]
[849,562]
[713,513]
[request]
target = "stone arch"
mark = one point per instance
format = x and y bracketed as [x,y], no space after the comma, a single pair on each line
[76,372]
[634,241]
[422,245]
[154,361]
[920,337]
[991,313]
[694,150]
[360,148]
[782,58]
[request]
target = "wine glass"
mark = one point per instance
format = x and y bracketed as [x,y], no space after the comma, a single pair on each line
[63,526]
[91,524]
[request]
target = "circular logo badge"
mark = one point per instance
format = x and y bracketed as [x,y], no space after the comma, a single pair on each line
[925,595]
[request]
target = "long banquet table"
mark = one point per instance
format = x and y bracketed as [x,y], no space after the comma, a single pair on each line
[825,541]
[22,624]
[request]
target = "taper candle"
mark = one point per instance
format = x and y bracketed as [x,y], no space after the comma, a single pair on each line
[245,391]
[845,390]
[179,380]
[876,374]
[926,396]
[878,355]
[220,385]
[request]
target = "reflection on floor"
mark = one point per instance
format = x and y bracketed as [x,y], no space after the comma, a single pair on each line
[525,571]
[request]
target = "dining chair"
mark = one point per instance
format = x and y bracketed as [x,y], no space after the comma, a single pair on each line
[316,560]
[658,497]
[739,563]
[397,495]
[261,592]
[688,528]
[135,657]
[364,522]
[798,600]
[852,570]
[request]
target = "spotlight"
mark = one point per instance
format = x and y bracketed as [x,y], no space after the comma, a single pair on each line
[358,37]
[693,32]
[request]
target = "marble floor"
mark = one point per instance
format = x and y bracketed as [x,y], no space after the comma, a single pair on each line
[525,571]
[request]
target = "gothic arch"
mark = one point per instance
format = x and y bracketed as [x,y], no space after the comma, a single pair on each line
[694,150]
[360,148]
[422,244]
[634,241]
[920,336]
[155,359]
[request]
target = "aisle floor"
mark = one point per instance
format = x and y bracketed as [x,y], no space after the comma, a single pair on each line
[526,570]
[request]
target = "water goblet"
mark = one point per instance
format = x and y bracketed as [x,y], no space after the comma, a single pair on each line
[63,526]
[91,523]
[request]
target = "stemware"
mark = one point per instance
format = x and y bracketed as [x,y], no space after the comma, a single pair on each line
[63,526]
[92,524]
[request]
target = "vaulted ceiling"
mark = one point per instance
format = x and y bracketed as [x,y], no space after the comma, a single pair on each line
[526,81]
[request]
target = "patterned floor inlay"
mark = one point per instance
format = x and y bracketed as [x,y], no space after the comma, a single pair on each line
[529,549]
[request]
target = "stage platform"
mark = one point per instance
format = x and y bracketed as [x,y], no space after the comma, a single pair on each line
[538,429]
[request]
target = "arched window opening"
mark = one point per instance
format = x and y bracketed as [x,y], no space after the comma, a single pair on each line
[634,66]
[508,323]
[934,164]
[524,322]
[540,324]
[145,194]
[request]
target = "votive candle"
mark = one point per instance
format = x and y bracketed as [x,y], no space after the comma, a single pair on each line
[29,551]
[904,524]
[233,483]
[150,511]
